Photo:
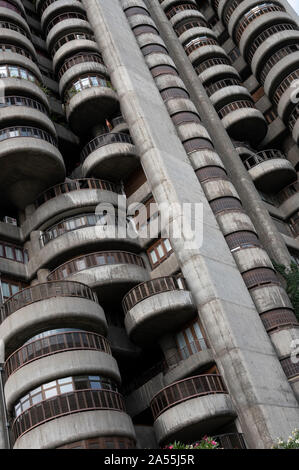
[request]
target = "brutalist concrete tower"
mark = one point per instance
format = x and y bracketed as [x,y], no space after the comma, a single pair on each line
[114,114]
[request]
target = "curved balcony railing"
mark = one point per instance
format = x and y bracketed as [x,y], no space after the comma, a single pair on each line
[150,288]
[102,258]
[256,12]
[288,192]
[92,80]
[261,157]
[16,50]
[76,223]
[211,63]
[80,59]
[266,34]
[14,27]
[229,9]
[293,117]
[185,390]
[276,57]
[102,141]
[222,84]
[178,8]
[54,344]
[12,7]
[66,404]
[15,132]
[63,17]
[200,42]
[234,106]
[45,291]
[8,101]
[277,318]
[284,85]
[44,5]
[76,185]
[259,277]
[118,120]
[73,36]
[198,23]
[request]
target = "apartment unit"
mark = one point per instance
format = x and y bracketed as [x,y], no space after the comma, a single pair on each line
[112,111]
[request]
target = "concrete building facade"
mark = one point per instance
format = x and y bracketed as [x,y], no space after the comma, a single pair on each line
[114,114]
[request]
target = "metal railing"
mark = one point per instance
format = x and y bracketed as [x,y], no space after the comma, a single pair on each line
[232,440]
[185,390]
[66,404]
[149,288]
[44,291]
[76,185]
[53,344]
[263,156]
[102,258]
[102,140]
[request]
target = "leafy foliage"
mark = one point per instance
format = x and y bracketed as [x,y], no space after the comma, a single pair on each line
[291,443]
[291,275]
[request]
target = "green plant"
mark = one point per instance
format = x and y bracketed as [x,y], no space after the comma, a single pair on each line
[291,276]
[291,443]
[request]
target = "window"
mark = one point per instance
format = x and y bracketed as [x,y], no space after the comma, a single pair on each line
[10,288]
[191,340]
[159,252]
[234,54]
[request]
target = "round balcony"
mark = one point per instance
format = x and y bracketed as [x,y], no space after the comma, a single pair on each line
[64,30]
[190,408]
[111,156]
[14,14]
[243,121]
[59,11]
[111,274]
[30,161]
[59,354]
[15,39]
[269,42]
[47,306]
[119,125]
[273,15]
[270,170]
[69,198]
[27,111]
[81,414]
[89,100]
[157,307]
[288,198]
[84,232]
[74,53]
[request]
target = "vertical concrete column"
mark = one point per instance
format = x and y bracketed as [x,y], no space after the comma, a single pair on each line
[265,403]
[251,200]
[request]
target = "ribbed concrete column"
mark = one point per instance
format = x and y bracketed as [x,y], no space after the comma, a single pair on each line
[263,398]
[4,444]
[251,200]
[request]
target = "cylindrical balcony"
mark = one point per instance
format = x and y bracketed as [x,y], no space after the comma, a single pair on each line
[111,274]
[157,307]
[68,198]
[57,354]
[46,306]
[243,121]
[30,161]
[111,156]
[97,410]
[85,97]
[190,408]
[270,170]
